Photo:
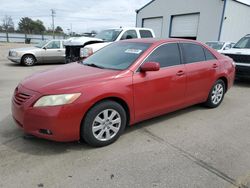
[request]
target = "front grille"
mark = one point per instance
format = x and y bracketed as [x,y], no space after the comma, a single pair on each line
[239,58]
[20,98]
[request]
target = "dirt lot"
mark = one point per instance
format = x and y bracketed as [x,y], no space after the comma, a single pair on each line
[194,147]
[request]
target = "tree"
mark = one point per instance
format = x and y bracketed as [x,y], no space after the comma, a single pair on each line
[58,29]
[8,24]
[28,26]
[25,25]
[38,27]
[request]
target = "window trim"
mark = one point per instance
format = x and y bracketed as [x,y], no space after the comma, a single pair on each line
[143,61]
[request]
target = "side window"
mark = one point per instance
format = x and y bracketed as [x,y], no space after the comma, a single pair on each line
[130,34]
[53,45]
[209,55]
[193,53]
[167,55]
[146,34]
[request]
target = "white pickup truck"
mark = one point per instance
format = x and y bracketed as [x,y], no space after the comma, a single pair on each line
[240,53]
[111,35]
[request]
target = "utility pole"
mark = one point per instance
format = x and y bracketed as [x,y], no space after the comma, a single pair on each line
[53,13]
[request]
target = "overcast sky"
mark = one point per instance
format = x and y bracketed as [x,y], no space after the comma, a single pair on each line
[84,15]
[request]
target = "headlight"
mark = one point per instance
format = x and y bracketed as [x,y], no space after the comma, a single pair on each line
[13,53]
[55,100]
[86,52]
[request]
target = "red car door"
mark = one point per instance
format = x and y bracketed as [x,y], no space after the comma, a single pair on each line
[201,69]
[160,91]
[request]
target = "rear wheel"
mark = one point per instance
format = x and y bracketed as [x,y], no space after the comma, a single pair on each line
[104,123]
[28,60]
[216,94]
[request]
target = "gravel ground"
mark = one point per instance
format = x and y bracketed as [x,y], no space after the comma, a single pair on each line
[194,147]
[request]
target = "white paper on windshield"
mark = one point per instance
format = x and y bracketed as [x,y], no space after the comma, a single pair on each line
[133,51]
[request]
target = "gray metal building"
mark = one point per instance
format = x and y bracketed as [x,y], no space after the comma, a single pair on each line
[203,20]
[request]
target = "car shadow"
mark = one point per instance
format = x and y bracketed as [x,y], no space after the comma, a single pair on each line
[164,118]
[15,139]
[242,82]
[38,64]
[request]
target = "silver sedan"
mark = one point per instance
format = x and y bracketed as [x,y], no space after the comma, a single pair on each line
[52,51]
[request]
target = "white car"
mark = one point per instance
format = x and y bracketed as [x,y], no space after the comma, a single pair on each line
[116,34]
[220,46]
[240,53]
[52,51]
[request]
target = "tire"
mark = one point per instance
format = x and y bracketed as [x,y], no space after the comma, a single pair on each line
[104,123]
[28,60]
[216,94]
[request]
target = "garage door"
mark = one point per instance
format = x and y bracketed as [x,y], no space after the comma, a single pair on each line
[155,24]
[185,26]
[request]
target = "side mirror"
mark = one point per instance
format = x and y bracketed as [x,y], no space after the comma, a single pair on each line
[150,66]
[226,48]
[44,48]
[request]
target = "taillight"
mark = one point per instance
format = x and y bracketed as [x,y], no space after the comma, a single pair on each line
[86,52]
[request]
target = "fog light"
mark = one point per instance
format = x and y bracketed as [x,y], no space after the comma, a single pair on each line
[45,131]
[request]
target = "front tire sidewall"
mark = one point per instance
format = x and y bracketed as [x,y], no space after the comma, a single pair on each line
[209,103]
[86,129]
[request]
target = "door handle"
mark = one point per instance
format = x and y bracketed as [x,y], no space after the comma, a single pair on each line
[215,65]
[180,73]
[59,50]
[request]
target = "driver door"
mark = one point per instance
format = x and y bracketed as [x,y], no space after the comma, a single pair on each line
[160,91]
[53,52]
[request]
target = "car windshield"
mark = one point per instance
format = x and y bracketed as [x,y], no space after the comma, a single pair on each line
[117,56]
[108,35]
[215,45]
[243,43]
[41,44]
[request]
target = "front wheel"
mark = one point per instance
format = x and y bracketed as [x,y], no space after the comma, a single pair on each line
[28,60]
[104,123]
[216,94]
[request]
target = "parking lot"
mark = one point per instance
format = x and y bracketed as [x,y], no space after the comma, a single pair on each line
[194,147]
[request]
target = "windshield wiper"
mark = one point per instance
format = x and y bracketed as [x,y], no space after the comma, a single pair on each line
[94,65]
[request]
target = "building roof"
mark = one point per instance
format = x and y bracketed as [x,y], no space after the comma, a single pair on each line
[138,10]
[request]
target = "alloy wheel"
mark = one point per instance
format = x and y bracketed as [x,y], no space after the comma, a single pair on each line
[106,125]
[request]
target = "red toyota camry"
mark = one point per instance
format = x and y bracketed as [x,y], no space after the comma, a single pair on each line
[121,84]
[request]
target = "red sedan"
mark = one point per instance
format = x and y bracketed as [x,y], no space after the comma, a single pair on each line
[123,83]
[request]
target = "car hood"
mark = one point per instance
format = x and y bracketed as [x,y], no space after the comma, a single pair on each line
[25,49]
[80,41]
[67,78]
[243,51]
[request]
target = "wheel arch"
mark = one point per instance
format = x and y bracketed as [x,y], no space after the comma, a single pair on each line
[225,80]
[119,100]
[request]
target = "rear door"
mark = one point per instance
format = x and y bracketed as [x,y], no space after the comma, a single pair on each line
[160,91]
[201,68]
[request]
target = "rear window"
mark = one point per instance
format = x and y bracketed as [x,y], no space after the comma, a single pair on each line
[146,34]
[193,53]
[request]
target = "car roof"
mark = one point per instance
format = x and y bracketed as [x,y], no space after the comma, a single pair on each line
[159,41]
[128,28]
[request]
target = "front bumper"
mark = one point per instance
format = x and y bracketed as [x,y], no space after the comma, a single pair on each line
[63,122]
[14,59]
[242,70]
